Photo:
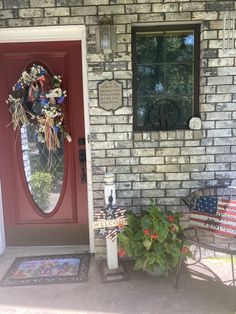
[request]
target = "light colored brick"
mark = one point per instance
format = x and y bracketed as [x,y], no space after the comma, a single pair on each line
[42,3]
[219,133]
[168,168]
[220,80]
[124,19]
[170,185]
[202,175]
[143,152]
[20,22]
[218,115]
[45,21]
[226,175]
[118,153]
[173,151]
[111,9]
[68,3]
[165,7]
[227,71]
[87,10]
[10,4]
[144,185]
[224,141]
[177,193]
[204,15]
[219,62]
[171,143]
[226,158]
[218,150]
[192,167]
[30,13]
[184,16]
[176,160]
[151,160]
[101,128]
[193,6]
[153,193]
[138,8]
[218,167]
[152,177]
[128,177]
[57,12]
[143,168]
[103,162]
[177,176]
[117,137]
[154,17]
[103,145]
[219,98]
[117,119]
[71,20]
[190,150]
[96,2]
[202,159]
[128,194]
[127,161]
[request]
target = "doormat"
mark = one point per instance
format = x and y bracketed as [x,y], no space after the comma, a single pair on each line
[34,270]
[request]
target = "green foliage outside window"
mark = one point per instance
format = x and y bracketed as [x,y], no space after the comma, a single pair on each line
[41,185]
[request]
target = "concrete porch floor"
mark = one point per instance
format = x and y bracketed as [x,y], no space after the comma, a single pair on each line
[141,294]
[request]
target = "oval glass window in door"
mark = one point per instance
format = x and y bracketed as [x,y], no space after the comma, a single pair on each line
[44,170]
[36,105]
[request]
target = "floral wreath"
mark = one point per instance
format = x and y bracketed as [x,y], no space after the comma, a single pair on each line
[37,99]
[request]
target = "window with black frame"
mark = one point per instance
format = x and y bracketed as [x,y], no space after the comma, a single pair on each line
[165,76]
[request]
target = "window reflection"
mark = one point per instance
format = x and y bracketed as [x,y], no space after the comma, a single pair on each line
[165,78]
[44,171]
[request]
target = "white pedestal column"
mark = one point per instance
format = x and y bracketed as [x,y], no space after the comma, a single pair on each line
[111,245]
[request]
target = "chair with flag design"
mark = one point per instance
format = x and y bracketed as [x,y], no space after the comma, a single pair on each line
[213,210]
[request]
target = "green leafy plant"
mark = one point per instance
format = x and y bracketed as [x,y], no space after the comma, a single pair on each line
[41,185]
[153,238]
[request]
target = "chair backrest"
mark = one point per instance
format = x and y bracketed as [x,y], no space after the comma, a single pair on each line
[213,209]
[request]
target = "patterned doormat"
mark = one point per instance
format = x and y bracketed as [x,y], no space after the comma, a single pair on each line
[50,269]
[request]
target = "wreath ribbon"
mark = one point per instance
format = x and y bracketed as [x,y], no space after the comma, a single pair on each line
[31,89]
[33,86]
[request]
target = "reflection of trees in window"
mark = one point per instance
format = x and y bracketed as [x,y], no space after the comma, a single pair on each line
[163,78]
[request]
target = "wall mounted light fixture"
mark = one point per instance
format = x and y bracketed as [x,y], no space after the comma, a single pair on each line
[105,34]
[229,18]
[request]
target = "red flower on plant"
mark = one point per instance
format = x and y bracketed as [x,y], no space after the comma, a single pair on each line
[146,231]
[185,250]
[154,236]
[121,252]
[170,218]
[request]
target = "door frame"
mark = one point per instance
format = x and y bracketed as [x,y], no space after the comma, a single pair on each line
[60,33]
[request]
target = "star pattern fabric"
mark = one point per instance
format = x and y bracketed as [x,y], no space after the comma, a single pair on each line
[206,204]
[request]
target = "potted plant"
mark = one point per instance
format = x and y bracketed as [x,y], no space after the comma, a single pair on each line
[153,239]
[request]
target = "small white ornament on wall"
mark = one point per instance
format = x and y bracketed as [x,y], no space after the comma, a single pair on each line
[195,124]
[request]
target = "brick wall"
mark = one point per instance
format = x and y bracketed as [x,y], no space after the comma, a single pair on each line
[161,165]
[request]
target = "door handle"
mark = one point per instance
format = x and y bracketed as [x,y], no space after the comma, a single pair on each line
[82,161]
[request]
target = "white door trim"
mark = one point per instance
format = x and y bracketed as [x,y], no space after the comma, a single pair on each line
[61,33]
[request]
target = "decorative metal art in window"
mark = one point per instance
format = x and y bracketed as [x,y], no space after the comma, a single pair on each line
[165,77]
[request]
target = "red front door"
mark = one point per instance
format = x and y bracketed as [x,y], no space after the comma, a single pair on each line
[67,221]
